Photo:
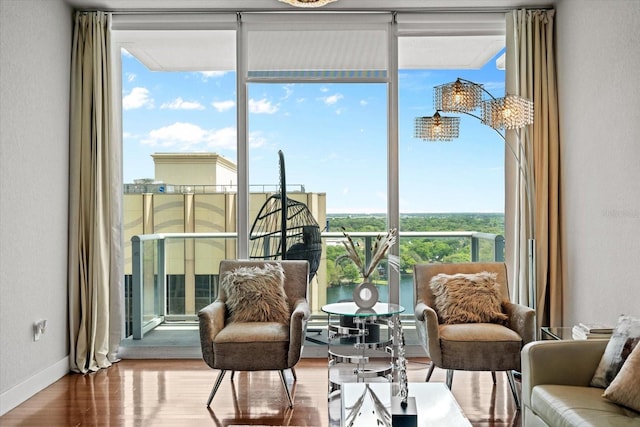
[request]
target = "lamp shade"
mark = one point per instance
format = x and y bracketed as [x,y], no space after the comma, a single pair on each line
[459,96]
[510,112]
[437,128]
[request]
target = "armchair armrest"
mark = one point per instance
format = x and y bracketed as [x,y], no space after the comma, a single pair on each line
[521,320]
[211,321]
[297,330]
[428,331]
[559,362]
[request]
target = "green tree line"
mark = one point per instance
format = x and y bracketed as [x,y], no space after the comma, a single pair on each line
[412,250]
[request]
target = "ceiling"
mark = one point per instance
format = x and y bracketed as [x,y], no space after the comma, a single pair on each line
[189,49]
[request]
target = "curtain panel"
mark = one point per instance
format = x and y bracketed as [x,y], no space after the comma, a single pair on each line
[531,73]
[95,267]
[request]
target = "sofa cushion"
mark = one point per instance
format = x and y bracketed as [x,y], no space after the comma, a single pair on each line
[494,347]
[468,298]
[563,405]
[625,387]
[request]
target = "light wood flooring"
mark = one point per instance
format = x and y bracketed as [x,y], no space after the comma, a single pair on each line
[174,393]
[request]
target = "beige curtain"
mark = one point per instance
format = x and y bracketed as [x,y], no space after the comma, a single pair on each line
[95,267]
[531,74]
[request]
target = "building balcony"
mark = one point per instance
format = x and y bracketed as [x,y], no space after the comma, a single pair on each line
[173,275]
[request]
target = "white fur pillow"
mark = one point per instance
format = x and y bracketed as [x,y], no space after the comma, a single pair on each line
[256,294]
[468,298]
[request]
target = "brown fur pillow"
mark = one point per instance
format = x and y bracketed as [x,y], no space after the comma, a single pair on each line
[256,294]
[467,298]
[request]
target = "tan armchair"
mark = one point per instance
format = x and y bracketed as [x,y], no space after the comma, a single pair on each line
[471,346]
[256,346]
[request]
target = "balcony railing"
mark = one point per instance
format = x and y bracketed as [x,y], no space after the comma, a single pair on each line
[171,279]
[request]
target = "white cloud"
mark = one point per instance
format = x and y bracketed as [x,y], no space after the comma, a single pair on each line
[137,98]
[288,91]
[363,103]
[131,77]
[224,138]
[332,99]
[188,136]
[222,106]
[256,140]
[211,74]
[180,104]
[262,106]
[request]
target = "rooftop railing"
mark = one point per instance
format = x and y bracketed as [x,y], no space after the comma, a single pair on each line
[162,188]
[167,282]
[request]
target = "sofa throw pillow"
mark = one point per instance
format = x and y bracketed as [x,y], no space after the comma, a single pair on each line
[256,294]
[625,337]
[468,298]
[625,387]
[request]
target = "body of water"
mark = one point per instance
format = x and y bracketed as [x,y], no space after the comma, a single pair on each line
[345,293]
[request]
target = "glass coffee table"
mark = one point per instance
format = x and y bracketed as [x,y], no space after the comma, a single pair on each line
[369,404]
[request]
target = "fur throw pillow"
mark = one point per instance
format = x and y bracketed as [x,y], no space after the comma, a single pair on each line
[256,294]
[626,336]
[468,298]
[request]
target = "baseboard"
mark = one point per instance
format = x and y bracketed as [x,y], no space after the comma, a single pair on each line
[23,391]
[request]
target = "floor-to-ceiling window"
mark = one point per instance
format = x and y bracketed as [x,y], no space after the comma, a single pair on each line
[458,185]
[316,87]
[178,88]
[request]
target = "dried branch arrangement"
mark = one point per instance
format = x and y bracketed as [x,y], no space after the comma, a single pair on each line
[378,251]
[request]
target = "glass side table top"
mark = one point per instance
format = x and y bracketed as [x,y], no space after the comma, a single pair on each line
[557,332]
[352,309]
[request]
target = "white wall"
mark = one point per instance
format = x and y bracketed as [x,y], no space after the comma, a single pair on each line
[35,44]
[598,46]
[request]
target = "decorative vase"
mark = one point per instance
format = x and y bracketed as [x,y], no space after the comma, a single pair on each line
[365,295]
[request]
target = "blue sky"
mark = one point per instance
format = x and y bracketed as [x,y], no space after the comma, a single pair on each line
[333,136]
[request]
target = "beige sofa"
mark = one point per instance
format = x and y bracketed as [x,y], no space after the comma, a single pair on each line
[556,391]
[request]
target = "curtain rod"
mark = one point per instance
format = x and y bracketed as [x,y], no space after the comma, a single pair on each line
[324,10]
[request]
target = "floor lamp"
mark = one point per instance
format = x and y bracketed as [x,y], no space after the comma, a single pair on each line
[510,112]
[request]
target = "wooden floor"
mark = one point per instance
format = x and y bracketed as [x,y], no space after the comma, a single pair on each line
[174,393]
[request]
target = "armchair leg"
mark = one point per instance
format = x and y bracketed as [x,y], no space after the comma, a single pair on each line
[215,387]
[286,387]
[293,372]
[493,377]
[514,390]
[430,371]
[449,378]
